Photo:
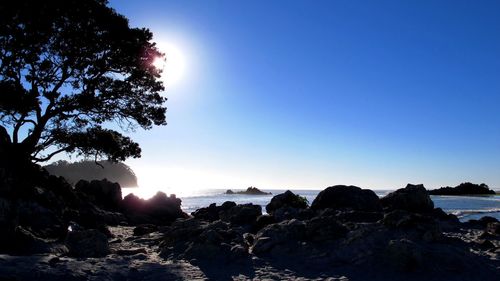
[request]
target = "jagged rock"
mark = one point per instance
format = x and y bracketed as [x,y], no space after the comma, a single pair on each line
[263,221]
[211,213]
[249,191]
[325,228]
[41,220]
[413,198]
[87,243]
[465,188]
[263,245]
[25,242]
[493,228]
[105,194]
[359,216]
[284,234]
[238,252]
[160,209]
[286,199]
[404,254]
[242,214]
[347,197]
[438,213]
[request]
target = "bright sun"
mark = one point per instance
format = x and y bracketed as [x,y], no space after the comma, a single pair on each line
[173,64]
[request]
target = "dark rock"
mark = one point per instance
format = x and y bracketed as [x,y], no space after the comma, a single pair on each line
[401,219]
[359,216]
[131,252]
[248,238]
[482,222]
[227,205]
[144,229]
[43,221]
[486,245]
[87,243]
[487,220]
[54,261]
[263,221]
[249,191]
[24,242]
[242,214]
[238,252]
[105,194]
[417,225]
[286,199]
[211,213]
[404,254]
[324,228]
[160,209]
[284,234]
[413,198]
[493,228]
[347,197]
[263,245]
[439,214]
[466,188]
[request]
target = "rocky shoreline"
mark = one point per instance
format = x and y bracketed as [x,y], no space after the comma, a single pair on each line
[55,232]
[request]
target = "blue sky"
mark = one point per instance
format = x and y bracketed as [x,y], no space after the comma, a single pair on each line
[307,94]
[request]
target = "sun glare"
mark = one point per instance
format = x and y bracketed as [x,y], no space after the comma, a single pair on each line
[173,65]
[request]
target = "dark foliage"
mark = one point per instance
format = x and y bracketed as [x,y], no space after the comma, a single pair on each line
[465,188]
[69,67]
[89,170]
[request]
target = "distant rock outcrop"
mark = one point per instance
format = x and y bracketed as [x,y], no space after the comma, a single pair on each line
[89,170]
[250,191]
[465,188]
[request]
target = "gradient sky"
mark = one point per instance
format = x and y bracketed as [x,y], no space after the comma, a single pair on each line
[308,94]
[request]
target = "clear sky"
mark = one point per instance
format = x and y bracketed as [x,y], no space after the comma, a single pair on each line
[308,94]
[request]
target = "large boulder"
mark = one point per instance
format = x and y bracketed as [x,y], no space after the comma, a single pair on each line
[279,238]
[243,214]
[25,242]
[347,197]
[160,209]
[286,199]
[404,254]
[87,243]
[103,193]
[413,198]
[323,228]
[211,213]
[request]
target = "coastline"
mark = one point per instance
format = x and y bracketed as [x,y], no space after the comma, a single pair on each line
[342,230]
[205,197]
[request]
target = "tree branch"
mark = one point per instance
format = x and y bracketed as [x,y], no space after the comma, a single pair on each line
[46,158]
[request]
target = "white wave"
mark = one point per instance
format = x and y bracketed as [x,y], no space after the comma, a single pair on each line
[463,213]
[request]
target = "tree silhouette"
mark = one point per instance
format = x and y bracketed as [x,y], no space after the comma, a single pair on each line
[68,69]
[88,170]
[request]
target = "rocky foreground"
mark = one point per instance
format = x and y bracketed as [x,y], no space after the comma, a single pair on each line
[347,233]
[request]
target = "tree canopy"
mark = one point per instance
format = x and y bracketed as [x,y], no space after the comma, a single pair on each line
[68,69]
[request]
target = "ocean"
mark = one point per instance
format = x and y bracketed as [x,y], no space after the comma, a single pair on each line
[464,207]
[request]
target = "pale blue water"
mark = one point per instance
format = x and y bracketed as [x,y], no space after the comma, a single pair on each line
[465,207]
